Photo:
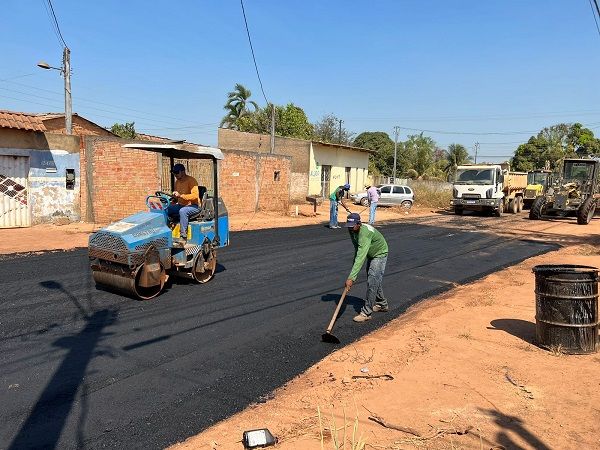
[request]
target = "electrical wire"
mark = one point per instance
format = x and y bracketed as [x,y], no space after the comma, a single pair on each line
[252,50]
[487,133]
[83,99]
[56,24]
[594,15]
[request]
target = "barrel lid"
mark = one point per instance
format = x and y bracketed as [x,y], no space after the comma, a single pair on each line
[564,268]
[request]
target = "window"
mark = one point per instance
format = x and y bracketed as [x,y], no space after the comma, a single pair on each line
[386,189]
[398,190]
[276,175]
[407,190]
[70,179]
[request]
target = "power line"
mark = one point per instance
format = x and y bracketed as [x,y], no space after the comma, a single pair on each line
[252,50]
[487,133]
[133,116]
[55,21]
[594,14]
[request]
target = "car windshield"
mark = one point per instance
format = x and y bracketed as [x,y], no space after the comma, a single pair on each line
[474,176]
[537,178]
[577,171]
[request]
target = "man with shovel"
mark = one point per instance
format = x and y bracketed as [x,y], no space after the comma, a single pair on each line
[369,245]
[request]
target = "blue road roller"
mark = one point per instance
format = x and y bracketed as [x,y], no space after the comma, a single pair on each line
[137,255]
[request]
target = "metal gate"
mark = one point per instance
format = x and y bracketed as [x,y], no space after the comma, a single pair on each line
[14,201]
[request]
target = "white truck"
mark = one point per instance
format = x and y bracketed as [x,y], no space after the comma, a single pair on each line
[488,187]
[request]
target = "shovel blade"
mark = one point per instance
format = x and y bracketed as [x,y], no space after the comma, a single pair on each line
[329,338]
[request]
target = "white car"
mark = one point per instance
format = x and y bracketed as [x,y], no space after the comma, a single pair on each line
[391,195]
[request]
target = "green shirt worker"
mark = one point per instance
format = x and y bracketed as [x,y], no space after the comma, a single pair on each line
[370,246]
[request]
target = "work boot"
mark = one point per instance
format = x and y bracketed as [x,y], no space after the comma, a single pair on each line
[379,308]
[361,318]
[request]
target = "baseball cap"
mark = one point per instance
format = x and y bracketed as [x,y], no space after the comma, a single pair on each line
[352,219]
[346,186]
[177,168]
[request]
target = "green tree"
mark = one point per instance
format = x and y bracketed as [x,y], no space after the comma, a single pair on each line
[126,131]
[418,155]
[553,144]
[237,106]
[328,130]
[381,162]
[456,155]
[290,121]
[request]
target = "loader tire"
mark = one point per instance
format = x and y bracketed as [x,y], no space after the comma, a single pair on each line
[586,212]
[512,206]
[537,207]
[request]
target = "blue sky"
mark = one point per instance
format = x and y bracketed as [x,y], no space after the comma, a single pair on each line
[468,67]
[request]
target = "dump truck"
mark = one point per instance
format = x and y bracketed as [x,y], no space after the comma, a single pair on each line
[488,187]
[136,255]
[576,190]
[537,183]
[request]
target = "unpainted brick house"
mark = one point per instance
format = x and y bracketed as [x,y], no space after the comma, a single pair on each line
[48,176]
[317,168]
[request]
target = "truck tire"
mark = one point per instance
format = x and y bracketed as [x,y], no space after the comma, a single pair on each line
[586,211]
[498,212]
[535,213]
[512,206]
[519,204]
[458,210]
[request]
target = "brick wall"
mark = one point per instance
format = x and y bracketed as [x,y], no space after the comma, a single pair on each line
[116,180]
[247,181]
[81,127]
[297,149]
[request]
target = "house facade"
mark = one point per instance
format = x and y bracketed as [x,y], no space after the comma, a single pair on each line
[40,167]
[49,176]
[317,168]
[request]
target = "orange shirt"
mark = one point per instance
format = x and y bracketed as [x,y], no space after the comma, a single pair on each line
[188,190]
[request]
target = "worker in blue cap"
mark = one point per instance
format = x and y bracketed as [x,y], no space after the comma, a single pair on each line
[186,197]
[335,198]
[369,246]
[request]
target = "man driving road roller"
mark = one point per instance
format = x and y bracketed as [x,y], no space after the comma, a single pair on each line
[187,197]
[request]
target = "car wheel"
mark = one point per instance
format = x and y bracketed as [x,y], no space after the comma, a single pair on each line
[364,201]
[406,204]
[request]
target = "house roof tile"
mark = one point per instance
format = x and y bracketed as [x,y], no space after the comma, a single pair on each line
[21,121]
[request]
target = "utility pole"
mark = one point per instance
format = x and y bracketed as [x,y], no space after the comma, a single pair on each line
[65,71]
[272,128]
[396,131]
[340,132]
[476,149]
[68,100]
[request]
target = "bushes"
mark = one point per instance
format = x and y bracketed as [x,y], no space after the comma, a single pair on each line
[431,194]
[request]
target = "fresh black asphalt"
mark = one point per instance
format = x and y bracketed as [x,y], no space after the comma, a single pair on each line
[85,368]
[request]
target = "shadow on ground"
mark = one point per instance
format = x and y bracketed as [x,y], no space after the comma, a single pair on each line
[523,329]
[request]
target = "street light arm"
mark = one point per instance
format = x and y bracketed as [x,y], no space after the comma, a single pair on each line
[45,65]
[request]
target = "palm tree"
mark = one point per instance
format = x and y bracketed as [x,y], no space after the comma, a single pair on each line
[457,155]
[236,106]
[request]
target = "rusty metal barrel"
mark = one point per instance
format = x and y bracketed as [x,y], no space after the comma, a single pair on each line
[566,308]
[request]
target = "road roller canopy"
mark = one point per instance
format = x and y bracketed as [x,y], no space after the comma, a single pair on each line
[181,151]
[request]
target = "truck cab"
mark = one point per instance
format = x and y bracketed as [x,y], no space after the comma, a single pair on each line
[478,188]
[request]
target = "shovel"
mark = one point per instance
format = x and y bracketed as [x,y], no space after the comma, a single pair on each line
[327,336]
